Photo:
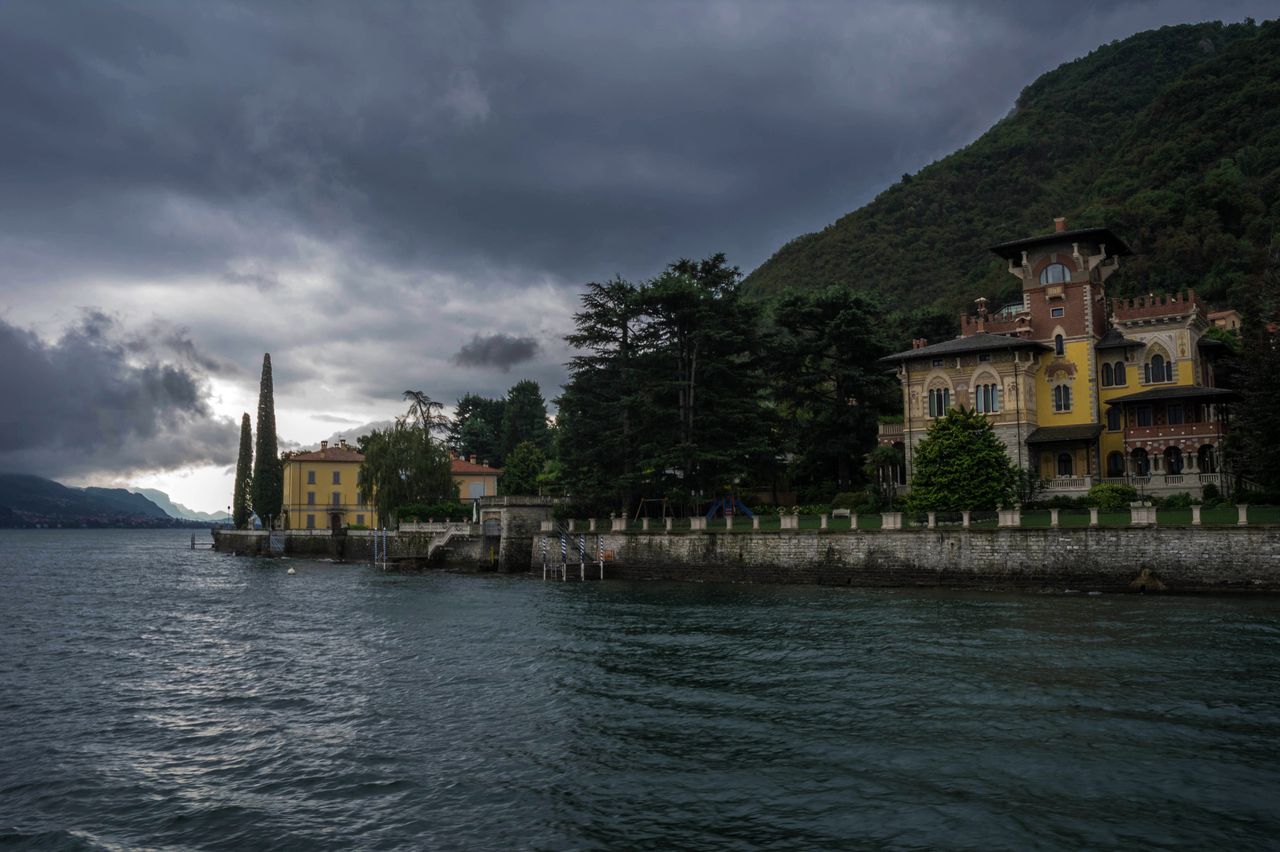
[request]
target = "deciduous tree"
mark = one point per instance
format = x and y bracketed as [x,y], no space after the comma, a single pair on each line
[961,464]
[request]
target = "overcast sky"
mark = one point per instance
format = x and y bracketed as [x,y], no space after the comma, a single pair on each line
[389,196]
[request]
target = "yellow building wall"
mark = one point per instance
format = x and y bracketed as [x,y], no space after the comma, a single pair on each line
[296,489]
[1077,352]
[489,483]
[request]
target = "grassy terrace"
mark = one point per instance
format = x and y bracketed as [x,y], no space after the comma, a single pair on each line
[1225,516]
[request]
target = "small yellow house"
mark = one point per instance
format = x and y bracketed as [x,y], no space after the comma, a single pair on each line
[475,479]
[322,489]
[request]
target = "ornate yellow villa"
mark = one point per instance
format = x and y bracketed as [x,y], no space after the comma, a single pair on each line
[1081,388]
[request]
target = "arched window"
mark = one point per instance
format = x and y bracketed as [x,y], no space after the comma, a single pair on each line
[1173,460]
[1113,419]
[1064,464]
[986,398]
[1115,464]
[1059,345]
[1062,398]
[1141,462]
[1158,369]
[1055,273]
[1106,374]
[939,401]
[1119,376]
[1207,459]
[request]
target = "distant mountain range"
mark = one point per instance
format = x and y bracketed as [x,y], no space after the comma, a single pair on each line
[177,510]
[32,501]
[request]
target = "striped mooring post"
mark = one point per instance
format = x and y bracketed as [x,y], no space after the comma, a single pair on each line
[600,554]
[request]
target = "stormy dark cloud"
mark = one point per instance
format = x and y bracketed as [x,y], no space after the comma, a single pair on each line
[97,401]
[496,350]
[381,193]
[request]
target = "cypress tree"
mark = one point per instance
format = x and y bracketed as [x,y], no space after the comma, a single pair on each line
[268,473]
[244,477]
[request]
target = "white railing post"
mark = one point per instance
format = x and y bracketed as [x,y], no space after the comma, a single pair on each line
[966,517]
[1053,518]
[755,522]
[1242,515]
[1093,516]
[1195,516]
[822,521]
[933,520]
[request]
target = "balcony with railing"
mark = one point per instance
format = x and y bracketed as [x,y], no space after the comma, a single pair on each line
[1210,432]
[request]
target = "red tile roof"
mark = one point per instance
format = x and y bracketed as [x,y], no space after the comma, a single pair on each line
[462,467]
[330,454]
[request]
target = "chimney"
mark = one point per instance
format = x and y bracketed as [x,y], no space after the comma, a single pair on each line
[342,442]
[1059,224]
[473,458]
[324,445]
[919,343]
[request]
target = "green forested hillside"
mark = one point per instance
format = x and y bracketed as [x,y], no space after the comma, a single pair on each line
[1170,137]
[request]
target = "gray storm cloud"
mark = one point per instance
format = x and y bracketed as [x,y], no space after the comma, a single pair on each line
[101,401]
[502,351]
[370,190]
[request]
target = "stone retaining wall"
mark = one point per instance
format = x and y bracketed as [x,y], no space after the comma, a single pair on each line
[461,550]
[1173,559]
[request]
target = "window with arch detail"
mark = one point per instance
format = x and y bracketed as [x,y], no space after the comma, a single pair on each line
[1062,398]
[1115,465]
[1158,369]
[986,398]
[1065,464]
[1107,375]
[939,401]
[1055,273]
[1114,420]
[1059,345]
[1118,375]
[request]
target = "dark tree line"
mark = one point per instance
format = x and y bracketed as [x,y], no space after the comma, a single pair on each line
[686,390]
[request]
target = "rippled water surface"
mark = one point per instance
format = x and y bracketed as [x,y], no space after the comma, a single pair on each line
[151,696]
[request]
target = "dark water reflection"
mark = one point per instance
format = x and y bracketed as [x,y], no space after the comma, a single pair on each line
[152,696]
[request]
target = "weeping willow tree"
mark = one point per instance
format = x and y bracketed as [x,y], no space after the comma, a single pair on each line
[405,464]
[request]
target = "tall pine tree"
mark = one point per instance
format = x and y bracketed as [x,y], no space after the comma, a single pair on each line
[268,473]
[240,508]
[524,418]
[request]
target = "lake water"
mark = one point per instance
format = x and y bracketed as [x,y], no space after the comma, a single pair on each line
[151,696]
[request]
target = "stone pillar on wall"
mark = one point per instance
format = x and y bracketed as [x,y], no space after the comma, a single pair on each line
[1053,518]
[697,523]
[891,520]
[1093,516]
[1195,516]
[520,520]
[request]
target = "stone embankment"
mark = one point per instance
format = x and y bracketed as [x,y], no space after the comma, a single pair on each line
[1176,559]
